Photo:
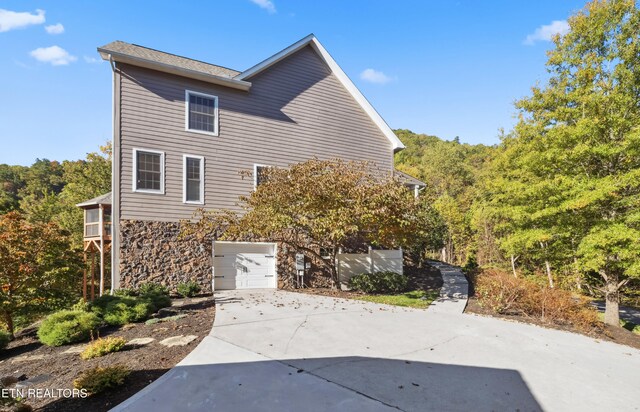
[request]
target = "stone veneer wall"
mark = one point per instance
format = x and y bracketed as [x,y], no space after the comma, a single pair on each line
[153,252]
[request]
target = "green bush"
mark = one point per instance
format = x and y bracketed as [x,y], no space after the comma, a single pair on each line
[188,289]
[152,288]
[81,306]
[120,310]
[101,347]
[157,294]
[126,292]
[158,301]
[5,338]
[379,282]
[67,326]
[99,379]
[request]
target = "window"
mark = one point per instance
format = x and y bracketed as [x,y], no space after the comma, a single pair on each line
[148,167]
[193,185]
[258,175]
[201,113]
[92,223]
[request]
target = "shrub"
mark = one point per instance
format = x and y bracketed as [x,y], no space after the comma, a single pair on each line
[126,292]
[81,306]
[155,293]
[96,380]
[152,288]
[506,294]
[158,301]
[5,338]
[120,310]
[188,289]
[67,326]
[101,347]
[379,282]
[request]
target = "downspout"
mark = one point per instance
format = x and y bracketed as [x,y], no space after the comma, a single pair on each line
[115,200]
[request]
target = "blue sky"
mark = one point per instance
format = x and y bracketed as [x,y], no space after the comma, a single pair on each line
[449,68]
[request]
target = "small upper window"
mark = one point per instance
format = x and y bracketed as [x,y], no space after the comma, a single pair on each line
[193,179]
[148,171]
[201,113]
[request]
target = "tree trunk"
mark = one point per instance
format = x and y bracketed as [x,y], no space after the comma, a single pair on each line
[611,298]
[513,266]
[548,266]
[8,319]
[443,254]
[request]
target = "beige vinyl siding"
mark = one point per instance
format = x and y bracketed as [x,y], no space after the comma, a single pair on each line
[295,110]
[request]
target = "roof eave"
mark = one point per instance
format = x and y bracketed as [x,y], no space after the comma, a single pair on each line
[167,68]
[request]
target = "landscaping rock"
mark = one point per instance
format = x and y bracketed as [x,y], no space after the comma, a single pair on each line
[139,341]
[179,340]
[27,358]
[75,349]
[33,381]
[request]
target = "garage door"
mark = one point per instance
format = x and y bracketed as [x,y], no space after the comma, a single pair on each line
[239,265]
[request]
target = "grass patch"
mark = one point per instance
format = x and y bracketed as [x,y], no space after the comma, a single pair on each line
[415,299]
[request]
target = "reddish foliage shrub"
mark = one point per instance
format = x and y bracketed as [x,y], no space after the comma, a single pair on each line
[506,294]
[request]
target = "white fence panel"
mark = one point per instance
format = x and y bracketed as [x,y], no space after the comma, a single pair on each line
[351,264]
[387,260]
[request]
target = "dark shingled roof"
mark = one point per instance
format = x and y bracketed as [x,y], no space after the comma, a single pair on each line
[100,200]
[157,56]
[408,179]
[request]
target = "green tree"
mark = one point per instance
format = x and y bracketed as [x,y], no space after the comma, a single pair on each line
[43,182]
[569,179]
[450,170]
[38,272]
[11,182]
[84,179]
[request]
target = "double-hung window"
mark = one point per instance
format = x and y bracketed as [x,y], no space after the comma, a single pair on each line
[148,171]
[193,179]
[201,113]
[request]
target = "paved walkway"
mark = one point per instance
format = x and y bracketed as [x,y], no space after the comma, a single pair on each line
[283,351]
[455,289]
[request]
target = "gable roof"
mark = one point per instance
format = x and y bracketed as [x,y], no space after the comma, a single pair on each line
[170,63]
[99,200]
[407,179]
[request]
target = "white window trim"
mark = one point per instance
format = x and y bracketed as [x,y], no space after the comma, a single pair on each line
[134,174]
[255,174]
[184,179]
[187,93]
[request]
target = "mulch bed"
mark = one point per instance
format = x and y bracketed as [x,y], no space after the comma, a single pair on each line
[425,278]
[617,335]
[147,363]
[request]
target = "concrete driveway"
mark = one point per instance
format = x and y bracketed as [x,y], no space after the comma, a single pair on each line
[284,351]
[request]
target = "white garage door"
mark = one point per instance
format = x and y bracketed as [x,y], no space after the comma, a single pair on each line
[238,265]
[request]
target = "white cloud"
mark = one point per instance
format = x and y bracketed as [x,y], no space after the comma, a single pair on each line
[92,60]
[10,20]
[265,4]
[547,31]
[374,76]
[55,55]
[55,29]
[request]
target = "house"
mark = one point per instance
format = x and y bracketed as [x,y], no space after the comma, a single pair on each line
[184,129]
